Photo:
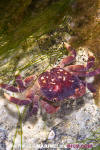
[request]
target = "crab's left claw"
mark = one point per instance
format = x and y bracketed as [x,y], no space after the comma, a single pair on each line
[49,108]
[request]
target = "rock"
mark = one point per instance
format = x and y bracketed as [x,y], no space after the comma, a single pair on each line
[73,123]
[69,125]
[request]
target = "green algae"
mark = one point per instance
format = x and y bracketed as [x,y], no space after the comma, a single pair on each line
[21,27]
[36,25]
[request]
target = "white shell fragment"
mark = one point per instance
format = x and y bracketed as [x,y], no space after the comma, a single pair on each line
[51,135]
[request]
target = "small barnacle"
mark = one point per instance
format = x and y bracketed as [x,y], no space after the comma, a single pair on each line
[59,77]
[51,135]
[52,79]
[60,70]
[64,78]
[42,78]
[50,90]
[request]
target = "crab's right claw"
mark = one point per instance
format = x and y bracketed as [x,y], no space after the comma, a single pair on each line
[49,108]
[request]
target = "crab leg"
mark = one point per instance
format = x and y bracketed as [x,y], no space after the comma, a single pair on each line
[35,105]
[20,83]
[90,62]
[79,74]
[16,100]
[87,74]
[69,59]
[9,87]
[34,99]
[93,73]
[29,79]
[81,68]
[76,68]
[91,87]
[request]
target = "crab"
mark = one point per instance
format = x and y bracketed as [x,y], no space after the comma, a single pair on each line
[53,86]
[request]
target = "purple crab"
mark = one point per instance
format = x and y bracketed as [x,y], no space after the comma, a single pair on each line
[53,86]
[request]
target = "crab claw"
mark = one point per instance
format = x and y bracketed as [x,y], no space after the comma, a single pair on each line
[49,108]
[16,100]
